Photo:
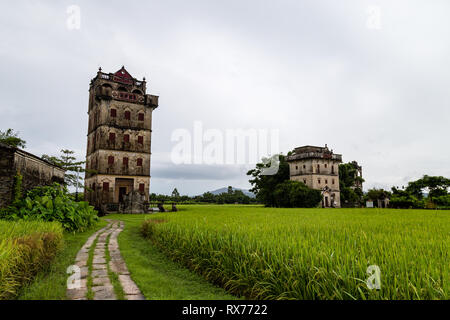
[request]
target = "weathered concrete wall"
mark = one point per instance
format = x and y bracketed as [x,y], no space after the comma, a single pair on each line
[99,161]
[35,172]
[6,175]
[100,139]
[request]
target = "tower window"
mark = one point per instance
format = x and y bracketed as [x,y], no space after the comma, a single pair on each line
[296,167]
[139,162]
[304,166]
[113,113]
[127,115]
[319,181]
[141,187]
[326,181]
[125,161]
[140,139]
[105,186]
[112,136]
[332,181]
[126,138]
[141,117]
[332,169]
[110,160]
[326,165]
[304,181]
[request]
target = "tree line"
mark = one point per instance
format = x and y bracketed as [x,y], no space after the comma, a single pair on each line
[232,196]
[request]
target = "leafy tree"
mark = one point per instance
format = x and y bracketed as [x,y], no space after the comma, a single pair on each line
[208,197]
[12,139]
[349,180]
[375,194]
[175,194]
[68,162]
[436,185]
[402,199]
[263,186]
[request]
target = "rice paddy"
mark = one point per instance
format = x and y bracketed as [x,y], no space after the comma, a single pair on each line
[272,253]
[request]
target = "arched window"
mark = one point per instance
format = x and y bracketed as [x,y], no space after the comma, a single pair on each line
[123,89]
[137,91]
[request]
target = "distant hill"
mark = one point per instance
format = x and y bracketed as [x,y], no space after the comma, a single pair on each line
[225,190]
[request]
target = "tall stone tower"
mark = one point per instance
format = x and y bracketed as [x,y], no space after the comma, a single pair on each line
[318,168]
[118,141]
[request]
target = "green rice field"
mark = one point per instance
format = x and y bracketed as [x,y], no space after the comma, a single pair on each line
[271,253]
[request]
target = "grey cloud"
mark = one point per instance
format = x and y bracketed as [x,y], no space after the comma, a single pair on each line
[309,68]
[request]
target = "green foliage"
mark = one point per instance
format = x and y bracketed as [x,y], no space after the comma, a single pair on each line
[273,253]
[294,194]
[264,185]
[235,196]
[53,203]
[12,139]
[26,247]
[436,185]
[17,189]
[68,162]
[278,191]
[378,194]
[175,194]
[402,199]
[443,201]
[351,194]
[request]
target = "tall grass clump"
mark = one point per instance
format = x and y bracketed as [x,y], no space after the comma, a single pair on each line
[25,248]
[267,253]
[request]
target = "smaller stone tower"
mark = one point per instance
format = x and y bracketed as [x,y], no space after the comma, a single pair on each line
[318,168]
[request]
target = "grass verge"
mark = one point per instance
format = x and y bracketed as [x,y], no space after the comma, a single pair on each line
[157,276]
[51,283]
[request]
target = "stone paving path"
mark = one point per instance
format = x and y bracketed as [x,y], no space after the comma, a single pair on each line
[102,287]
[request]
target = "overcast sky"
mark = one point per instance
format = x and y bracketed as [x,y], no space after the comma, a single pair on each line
[375,88]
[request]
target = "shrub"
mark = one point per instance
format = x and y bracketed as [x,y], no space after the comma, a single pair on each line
[442,201]
[53,203]
[25,248]
[406,202]
[294,194]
